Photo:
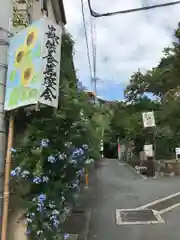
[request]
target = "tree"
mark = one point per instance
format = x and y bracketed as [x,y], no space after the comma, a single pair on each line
[164,83]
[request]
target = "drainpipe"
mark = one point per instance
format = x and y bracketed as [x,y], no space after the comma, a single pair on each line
[6,13]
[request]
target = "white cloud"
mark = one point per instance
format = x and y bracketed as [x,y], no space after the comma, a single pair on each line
[124,42]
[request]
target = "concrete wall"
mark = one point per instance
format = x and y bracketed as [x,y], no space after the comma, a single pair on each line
[16,228]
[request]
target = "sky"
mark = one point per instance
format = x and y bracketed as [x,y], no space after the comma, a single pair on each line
[124,43]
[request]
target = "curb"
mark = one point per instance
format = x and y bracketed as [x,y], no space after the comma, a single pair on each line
[84,234]
[134,170]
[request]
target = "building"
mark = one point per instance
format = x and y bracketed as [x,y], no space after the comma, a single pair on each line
[27,11]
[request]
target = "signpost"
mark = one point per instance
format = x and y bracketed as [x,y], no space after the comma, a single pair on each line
[149,122]
[148,119]
[177,150]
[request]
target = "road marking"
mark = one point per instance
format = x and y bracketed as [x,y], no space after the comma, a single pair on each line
[122,214]
[158,201]
[169,208]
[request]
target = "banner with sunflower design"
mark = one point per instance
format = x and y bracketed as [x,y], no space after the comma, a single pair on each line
[34,66]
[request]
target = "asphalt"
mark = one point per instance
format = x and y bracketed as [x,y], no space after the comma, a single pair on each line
[116,186]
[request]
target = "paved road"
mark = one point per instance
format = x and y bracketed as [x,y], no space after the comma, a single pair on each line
[120,187]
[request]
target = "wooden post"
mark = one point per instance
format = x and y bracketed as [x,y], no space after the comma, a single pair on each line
[6,178]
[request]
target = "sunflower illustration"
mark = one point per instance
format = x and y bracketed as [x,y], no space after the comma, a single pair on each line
[31,38]
[19,56]
[27,75]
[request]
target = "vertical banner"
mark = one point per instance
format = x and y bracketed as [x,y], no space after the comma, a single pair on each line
[148,149]
[148,119]
[51,53]
[34,66]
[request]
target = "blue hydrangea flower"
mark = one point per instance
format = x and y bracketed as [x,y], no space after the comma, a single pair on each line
[80,172]
[68,144]
[85,146]
[61,156]
[45,179]
[56,223]
[66,236]
[52,205]
[39,209]
[51,159]
[73,161]
[77,152]
[25,174]
[75,184]
[13,150]
[55,212]
[44,143]
[28,220]
[32,214]
[28,232]
[37,180]
[41,198]
[15,172]
[53,217]
[39,232]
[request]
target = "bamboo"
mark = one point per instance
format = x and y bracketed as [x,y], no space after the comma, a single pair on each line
[7,178]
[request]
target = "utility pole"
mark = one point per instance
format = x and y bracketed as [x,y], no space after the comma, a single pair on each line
[6,13]
[118,147]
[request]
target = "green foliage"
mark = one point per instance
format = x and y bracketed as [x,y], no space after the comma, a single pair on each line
[163,83]
[44,185]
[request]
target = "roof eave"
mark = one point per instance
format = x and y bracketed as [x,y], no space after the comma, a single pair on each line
[59,12]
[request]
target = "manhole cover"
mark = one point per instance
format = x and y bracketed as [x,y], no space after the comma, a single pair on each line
[134,216]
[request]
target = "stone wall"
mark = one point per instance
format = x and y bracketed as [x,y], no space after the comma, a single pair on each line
[168,167]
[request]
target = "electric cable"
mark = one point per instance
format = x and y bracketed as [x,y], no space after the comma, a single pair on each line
[93,41]
[86,39]
[98,15]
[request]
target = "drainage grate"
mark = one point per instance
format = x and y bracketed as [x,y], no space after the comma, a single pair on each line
[165,203]
[134,216]
[76,222]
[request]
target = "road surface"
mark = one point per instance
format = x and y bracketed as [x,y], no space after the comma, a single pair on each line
[119,187]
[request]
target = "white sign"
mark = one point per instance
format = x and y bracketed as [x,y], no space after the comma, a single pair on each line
[148,119]
[101,146]
[177,150]
[51,54]
[148,149]
[34,66]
